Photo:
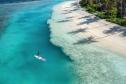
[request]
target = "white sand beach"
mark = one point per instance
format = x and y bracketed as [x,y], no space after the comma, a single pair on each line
[86,25]
[96,46]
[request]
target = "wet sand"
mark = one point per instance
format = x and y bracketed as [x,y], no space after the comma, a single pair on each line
[95,45]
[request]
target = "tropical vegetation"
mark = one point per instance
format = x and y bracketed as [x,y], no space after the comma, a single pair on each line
[111,10]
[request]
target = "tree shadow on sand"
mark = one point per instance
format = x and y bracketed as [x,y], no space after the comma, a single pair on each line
[74,4]
[85,17]
[116,29]
[77,31]
[86,40]
[89,20]
[70,11]
[67,12]
[60,21]
[69,17]
[75,9]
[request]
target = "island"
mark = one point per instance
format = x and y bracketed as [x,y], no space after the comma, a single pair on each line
[96,46]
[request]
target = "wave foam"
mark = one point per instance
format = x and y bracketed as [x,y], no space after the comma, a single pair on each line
[93,65]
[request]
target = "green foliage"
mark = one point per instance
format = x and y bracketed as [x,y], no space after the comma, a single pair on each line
[112,12]
[101,15]
[91,9]
[118,21]
[83,3]
[108,9]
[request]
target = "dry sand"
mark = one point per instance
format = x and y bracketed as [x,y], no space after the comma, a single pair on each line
[85,25]
[96,46]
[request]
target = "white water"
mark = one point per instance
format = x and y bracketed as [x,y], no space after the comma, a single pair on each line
[94,65]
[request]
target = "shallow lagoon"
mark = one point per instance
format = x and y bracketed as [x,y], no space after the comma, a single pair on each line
[25,31]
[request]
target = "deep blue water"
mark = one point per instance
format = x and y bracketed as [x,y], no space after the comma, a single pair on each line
[11,1]
[25,32]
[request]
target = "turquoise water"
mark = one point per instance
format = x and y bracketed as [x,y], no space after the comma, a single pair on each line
[25,32]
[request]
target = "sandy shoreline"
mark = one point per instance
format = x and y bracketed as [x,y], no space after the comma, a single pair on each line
[92,44]
[104,34]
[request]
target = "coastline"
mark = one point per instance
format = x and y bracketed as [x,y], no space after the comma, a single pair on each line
[91,43]
[106,34]
[26,32]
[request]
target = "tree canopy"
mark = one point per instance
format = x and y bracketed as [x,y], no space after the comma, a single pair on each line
[113,10]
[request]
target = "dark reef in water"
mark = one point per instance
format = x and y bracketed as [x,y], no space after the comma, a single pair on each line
[11,1]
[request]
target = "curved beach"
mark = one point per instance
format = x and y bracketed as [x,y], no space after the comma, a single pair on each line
[95,45]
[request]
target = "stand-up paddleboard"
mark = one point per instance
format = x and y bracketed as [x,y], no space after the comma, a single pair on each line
[40,58]
[37,56]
